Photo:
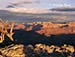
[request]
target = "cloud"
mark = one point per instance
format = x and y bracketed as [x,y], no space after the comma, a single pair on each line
[39,3]
[29,10]
[19,3]
[24,2]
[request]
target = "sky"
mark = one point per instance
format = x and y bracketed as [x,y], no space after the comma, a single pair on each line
[45,4]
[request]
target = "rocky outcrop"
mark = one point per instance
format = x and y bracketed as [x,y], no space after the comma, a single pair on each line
[49,28]
[39,50]
[19,26]
[12,51]
[71,24]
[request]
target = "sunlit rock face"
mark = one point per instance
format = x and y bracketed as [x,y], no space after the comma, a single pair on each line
[50,25]
[49,28]
[36,30]
[71,24]
[20,26]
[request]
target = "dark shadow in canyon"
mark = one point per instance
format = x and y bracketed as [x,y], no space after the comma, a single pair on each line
[31,37]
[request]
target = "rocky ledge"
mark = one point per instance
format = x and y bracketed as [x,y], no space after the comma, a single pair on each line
[12,51]
[39,50]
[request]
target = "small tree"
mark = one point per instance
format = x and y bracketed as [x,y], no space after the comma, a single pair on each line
[4,26]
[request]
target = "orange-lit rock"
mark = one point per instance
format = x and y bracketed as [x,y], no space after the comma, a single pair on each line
[51,28]
[29,28]
[71,24]
[20,26]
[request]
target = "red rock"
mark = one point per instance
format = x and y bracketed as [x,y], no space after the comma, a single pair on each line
[20,26]
[71,24]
